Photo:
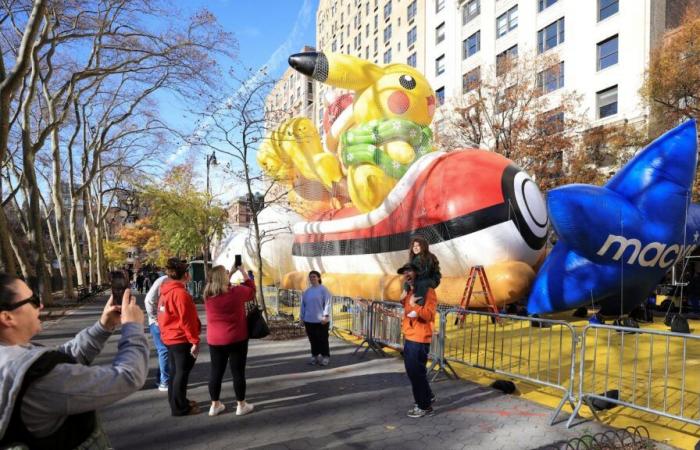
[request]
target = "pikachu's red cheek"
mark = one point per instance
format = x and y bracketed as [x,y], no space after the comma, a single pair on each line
[398,102]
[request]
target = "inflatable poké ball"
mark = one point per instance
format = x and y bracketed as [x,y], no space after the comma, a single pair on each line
[474,207]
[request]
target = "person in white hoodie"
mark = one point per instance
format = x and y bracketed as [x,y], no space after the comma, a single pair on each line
[49,397]
[152,311]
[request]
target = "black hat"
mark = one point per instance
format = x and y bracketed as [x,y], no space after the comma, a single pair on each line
[406,267]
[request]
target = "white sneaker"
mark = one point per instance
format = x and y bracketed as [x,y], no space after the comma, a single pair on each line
[246,409]
[324,361]
[163,387]
[313,361]
[216,410]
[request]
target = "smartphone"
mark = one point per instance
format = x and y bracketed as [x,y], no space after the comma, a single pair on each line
[250,275]
[119,285]
[238,262]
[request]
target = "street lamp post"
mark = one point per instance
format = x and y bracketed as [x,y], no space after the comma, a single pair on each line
[211,160]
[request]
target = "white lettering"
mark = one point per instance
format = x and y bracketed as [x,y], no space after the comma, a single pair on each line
[658,247]
[651,255]
[664,263]
[624,243]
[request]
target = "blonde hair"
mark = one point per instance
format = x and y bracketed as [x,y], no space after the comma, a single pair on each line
[218,282]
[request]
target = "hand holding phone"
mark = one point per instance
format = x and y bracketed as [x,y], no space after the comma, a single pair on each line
[119,285]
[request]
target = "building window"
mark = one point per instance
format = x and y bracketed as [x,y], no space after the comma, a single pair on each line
[367,9]
[470,10]
[470,80]
[367,30]
[551,79]
[504,60]
[387,10]
[607,8]
[387,33]
[376,23]
[552,122]
[471,45]
[440,96]
[550,36]
[411,10]
[506,22]
[440,65]
[607,102]
[411,36]
[376,45]
[439,33]
[439,5]
[367,52]
[607,53]
[411,60]
[544,4]
[387,56]
[333,46]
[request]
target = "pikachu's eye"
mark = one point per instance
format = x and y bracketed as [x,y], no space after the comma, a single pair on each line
[407,81]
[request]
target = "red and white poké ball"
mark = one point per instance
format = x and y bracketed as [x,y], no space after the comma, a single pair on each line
[475,208]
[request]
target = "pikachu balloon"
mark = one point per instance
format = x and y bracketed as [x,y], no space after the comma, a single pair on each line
[391,113]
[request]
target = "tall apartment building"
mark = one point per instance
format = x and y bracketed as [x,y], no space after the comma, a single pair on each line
[381,31]
[604,45]
[292,96]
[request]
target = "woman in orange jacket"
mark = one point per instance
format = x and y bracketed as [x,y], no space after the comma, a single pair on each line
[417,327]
[179,330]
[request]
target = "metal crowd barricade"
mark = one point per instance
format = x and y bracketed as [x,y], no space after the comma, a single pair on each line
[353,316]
[539,351]
[271,294]
[289,303]
[386,325]
[647,368]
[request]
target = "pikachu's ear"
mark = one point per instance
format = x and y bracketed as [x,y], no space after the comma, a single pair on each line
[338,70]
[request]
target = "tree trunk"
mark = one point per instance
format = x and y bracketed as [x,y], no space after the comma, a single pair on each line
[54,244]
[7,253]
[59,208]
[258,249]
[89,228]
[19,253]
[41,284]
[77,253]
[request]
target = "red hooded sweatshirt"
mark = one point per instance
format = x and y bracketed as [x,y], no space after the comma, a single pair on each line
[177,315]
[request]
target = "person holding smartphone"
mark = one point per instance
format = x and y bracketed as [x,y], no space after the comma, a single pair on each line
[227,335]
[179,330]
[49,396]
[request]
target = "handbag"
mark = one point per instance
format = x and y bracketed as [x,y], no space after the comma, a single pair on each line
[257,327]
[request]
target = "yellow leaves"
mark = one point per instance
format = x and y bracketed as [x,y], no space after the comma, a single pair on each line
[115,252]
[672,81]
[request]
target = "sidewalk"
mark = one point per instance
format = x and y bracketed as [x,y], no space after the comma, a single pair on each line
[353,403]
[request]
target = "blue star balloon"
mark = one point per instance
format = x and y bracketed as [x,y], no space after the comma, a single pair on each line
[617,241]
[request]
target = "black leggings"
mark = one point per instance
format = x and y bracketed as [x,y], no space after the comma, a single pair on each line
[180,364]
[318,338]
[235,354]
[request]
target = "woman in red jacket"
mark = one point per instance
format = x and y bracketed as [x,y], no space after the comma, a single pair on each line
[179,330]
[227,334]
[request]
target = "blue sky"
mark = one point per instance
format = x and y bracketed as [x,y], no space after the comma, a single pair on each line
[267,31]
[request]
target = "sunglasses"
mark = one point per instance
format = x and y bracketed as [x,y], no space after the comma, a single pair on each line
[34,300]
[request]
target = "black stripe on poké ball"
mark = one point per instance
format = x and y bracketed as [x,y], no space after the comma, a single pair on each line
[514,213]
[434,234]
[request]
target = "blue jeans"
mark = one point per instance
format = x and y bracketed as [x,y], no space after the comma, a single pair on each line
[162,351]
[415,356]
